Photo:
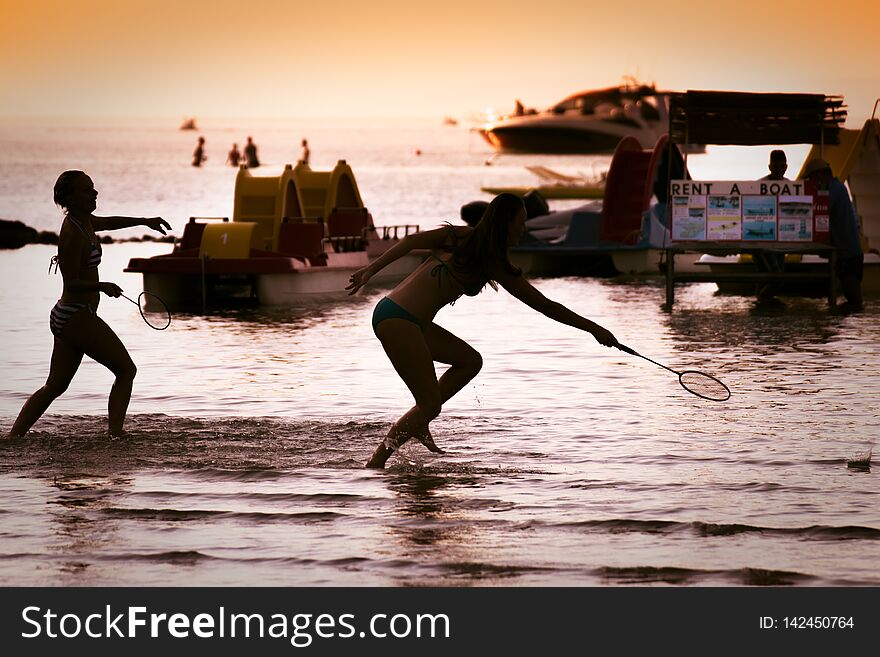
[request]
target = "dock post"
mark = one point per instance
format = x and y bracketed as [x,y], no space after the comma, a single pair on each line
[832,279]
[204,259]
[670,278]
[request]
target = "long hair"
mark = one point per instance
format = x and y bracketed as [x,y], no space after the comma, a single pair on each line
[486,245]
[64,187]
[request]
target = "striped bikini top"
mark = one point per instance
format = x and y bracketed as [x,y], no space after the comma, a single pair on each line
[94,253]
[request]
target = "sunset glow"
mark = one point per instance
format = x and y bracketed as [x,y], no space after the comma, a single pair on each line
[278,58]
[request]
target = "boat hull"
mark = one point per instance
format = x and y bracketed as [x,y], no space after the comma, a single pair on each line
[808,263]
[551,262]
[600,262]
[651,262]
[187,283]
[326,282]
[563,140]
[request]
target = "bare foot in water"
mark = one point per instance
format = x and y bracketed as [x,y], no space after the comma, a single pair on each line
[428,441]
[382,454]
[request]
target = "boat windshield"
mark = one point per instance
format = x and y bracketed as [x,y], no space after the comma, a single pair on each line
[577,104]
[605,100]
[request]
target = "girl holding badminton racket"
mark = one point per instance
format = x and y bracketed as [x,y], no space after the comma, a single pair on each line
[464,260]
[74,322]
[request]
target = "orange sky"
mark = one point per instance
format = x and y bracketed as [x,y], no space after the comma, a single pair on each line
[289,58]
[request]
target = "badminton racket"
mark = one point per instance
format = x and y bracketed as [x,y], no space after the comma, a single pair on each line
[696,383]
[149,304]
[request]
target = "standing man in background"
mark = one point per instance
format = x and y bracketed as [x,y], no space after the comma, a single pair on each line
[770,261]
[304,158]
[845,233]
[778,166]
[199,153]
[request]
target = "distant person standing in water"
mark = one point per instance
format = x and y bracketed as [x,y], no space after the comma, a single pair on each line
[304,158]
[199,153]
[464,259]
[234,156]
[770,261]
[74,321]
[250,154]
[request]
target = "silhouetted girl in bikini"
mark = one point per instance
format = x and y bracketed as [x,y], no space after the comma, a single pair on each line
[74,321]
[463,261]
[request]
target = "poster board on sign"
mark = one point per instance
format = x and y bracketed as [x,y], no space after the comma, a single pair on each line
[689,218]
[759,217]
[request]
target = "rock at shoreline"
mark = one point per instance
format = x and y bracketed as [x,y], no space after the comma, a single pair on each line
[14,234]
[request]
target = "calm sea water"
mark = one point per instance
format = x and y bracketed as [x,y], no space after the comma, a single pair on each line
[568,463]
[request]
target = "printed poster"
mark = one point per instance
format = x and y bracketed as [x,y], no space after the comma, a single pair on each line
[820,216]
[689,218]
[759,217]
[795,218]
[724,217]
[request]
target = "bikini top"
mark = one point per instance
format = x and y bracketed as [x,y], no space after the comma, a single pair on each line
[95,252]
[442,268]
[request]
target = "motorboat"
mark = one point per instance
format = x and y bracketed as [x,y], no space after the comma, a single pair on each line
[556,185]
[294,237]
[588,122]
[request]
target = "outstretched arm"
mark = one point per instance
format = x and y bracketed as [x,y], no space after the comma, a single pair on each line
[519,287]
[429,239]
[115,223]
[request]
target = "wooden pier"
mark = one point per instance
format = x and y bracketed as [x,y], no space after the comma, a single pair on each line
[732,248]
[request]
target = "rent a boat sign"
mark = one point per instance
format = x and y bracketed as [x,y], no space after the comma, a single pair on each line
[748,210]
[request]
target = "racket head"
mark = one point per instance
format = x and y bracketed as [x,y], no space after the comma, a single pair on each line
[704,385]
[154,311]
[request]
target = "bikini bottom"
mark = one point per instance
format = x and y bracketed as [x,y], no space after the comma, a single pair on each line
[388,309]
[62,312]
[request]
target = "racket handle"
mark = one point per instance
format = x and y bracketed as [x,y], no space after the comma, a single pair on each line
[628,350]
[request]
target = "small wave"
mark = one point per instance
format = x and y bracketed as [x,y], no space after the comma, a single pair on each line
[821,532]
[194,557]
[478,570]
[848,532]
[649,574]
[14,556]
[177,557]
[762,577]
[217,474]
[251,496]
[684,576]
[178,515]
[762,487]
